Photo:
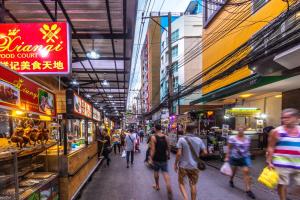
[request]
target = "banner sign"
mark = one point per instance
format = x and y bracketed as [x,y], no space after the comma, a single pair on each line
[20,93]
[243,112]
[96,115]
[82,107]
[36,48]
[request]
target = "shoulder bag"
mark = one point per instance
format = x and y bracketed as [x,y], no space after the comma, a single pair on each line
[200,163]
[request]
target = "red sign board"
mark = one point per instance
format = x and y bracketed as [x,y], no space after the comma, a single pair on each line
[82,107]
[36,48]
[18,92]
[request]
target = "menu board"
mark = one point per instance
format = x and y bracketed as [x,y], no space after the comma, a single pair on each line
[19,92]
[82,107]
[96,114]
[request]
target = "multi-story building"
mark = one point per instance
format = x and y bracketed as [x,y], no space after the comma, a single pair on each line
[251,58]
[186,32]
[150,62]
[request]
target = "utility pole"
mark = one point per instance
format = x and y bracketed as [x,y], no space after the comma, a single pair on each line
[170,74]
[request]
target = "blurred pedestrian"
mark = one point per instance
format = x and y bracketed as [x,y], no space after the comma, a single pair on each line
[149,146]
[141,134]
[185,163]
[238,155]
[130,146]
[122,139]
[284,151]
[106,146]
[116,142]
[159,155]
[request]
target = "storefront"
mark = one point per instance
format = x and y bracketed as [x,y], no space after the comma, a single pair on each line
[28,133]
[79,126]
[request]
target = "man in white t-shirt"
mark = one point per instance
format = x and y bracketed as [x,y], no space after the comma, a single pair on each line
[130,146]
[185,164]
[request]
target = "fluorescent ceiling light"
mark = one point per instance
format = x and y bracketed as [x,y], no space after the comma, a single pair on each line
[246,95]
[88,95]
[74,82]
[93,54]
[110,96]
[105,83]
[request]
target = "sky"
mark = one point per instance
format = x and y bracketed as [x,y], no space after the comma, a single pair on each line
[154,6]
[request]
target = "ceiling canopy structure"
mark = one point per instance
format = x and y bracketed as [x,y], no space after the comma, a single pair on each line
[106,26]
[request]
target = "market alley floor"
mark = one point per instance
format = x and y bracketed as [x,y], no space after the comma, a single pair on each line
[119,183]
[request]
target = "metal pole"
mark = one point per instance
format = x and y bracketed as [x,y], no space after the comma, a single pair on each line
[178,104]
[16,175]
[170,74]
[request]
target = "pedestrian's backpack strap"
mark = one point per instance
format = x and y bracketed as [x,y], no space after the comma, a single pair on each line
[130,139]
[196,157]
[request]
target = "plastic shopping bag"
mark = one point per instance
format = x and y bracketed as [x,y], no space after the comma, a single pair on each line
[269,178]
[123,154]
[226,169]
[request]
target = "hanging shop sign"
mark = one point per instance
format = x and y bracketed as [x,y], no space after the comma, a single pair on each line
[82,107]
[21,94]
[96,115]
[36,48]
[243,112]
[77,105]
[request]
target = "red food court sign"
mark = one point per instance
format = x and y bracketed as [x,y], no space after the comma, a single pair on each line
[36,48]
[20,93]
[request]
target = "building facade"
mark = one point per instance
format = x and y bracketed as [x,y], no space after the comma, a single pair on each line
[150,62]
[249,58]
[186,32]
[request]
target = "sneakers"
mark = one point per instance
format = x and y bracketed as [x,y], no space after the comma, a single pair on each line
[250,194]
[231,183]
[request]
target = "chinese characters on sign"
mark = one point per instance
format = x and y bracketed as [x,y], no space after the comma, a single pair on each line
[36,48]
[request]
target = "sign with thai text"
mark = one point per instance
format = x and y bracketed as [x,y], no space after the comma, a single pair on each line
[36,48]
[20,93]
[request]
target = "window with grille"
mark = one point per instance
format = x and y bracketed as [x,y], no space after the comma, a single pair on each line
[174,52]
[211,8]
[257,4]
[175,35]
[175,67]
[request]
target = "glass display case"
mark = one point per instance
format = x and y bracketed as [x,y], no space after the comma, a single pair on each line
[25,140]
[76,134]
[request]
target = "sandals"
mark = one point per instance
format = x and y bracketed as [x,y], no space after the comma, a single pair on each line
[155,187]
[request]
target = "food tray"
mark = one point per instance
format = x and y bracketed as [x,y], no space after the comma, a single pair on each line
[6,198]
[38,175]
[29,182]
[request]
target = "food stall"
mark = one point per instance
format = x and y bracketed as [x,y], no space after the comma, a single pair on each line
[27,134]
[79,159]
[250,118]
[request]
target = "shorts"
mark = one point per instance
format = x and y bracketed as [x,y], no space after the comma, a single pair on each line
[192,174]
[240,162]
[163,166]
[286,174]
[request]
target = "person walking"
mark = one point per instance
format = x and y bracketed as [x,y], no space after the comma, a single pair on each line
[238,155]
[159,156]
[116,142]
[106,147]
[185,164]
[149,147]
[284,151]
[141,134]
[130,146]
[122,139]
